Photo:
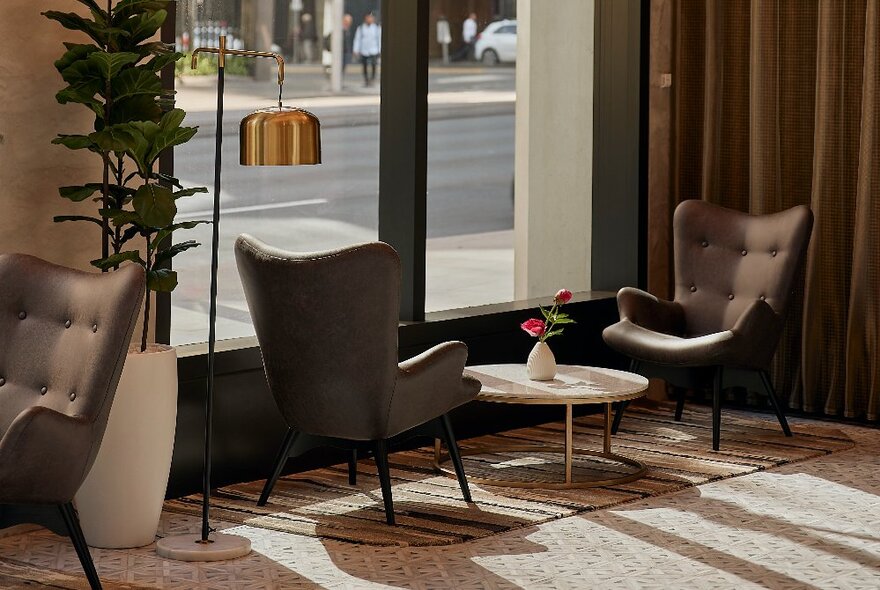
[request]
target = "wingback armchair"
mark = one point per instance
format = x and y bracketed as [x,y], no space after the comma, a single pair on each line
[64,335]
[734,276]
[327,324]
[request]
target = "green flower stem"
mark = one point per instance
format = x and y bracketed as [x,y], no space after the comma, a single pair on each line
[551,317]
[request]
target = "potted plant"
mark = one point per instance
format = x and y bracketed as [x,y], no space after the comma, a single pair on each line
[541,364]
[117,76]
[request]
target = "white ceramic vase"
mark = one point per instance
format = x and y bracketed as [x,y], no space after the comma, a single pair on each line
[120,502]
[541,364]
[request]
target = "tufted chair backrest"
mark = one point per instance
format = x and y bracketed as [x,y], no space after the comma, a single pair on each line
[64,334]
[327,327]
[726,259]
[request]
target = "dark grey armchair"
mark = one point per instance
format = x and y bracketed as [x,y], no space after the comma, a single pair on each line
[734,276]
[65,335]
[327,327]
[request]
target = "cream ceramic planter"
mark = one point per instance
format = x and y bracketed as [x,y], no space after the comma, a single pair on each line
[120,502]
[541,364]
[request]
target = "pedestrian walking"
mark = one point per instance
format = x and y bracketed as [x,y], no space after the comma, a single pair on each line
[309,35]
[368,46]
[468,37]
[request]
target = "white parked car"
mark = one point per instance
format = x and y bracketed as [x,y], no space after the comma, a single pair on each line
[497,43]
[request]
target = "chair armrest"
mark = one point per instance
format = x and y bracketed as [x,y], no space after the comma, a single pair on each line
[430,385]
[649,312]
[756,334]
[44,456]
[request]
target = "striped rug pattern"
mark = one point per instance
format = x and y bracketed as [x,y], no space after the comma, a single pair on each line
[429,507]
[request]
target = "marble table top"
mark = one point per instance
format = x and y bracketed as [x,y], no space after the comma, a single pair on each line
[574,384]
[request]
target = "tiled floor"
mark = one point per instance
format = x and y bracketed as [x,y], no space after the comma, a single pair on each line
[814,524]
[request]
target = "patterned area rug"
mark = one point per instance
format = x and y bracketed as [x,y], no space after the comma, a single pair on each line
[429,507]
[15,575]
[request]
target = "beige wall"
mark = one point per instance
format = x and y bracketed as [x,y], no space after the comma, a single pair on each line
[31,169]
[554,146]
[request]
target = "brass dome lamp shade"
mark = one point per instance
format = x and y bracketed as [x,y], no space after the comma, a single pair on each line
[280,136]
[276,136]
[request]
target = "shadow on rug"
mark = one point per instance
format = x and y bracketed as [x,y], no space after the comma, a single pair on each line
[429,507]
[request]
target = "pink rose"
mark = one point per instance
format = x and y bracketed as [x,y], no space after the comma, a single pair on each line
[562,296]
[534,327]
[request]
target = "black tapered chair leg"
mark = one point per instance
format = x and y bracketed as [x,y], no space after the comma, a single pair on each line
[353,467]
[71,521]
[679,404]
[618,416]
[771,393]
[455,455]
[385,479]
[280,461]
[716,408]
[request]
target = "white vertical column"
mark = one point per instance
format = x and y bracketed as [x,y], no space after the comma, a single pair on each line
[336,47]
[554,146]
[264,26]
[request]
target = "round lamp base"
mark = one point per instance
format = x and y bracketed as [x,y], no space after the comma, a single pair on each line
[188,547]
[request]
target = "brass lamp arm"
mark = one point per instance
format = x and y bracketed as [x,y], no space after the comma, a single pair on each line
[222,52]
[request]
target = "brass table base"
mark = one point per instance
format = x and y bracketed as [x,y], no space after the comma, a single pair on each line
[568,450]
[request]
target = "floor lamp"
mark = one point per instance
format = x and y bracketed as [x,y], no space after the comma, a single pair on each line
[275,136]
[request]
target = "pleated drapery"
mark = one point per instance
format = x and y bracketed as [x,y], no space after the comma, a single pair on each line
[777,103]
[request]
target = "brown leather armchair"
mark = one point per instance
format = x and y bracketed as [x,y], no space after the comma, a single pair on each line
[65,335]
[734,276]
[327,327]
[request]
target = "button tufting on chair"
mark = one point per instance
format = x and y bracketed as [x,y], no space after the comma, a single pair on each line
[705,244]
[693,289]
[94,327]
[762,298]
[2,381]
[730,296]
[46,446]
[773,253]
[72,395]
[67,324]
[744,252]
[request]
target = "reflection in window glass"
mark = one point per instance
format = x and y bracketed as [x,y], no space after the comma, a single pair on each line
[303,208]
[471,104]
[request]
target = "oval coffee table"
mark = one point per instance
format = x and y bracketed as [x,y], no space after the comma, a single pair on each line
[573,385]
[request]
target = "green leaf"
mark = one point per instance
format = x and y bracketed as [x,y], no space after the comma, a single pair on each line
[142,26]
[76,193]
[564,321]
[130,233]
[82,95]
[188,192]
[155,204]
[127,8]
[116,138]
[165,232]
[170,138]
[552,333]
[75,52]
[142,107]
[165,59]
[162,279]
[75,22]
[174,250]
[75,142]
[117,259]
[120,216]
[136,81]
[63,218]
[169,179]
[109,64]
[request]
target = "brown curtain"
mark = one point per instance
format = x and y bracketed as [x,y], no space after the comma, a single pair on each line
[776,103]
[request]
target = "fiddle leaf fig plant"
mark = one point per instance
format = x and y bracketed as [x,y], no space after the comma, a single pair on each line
[117,77]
